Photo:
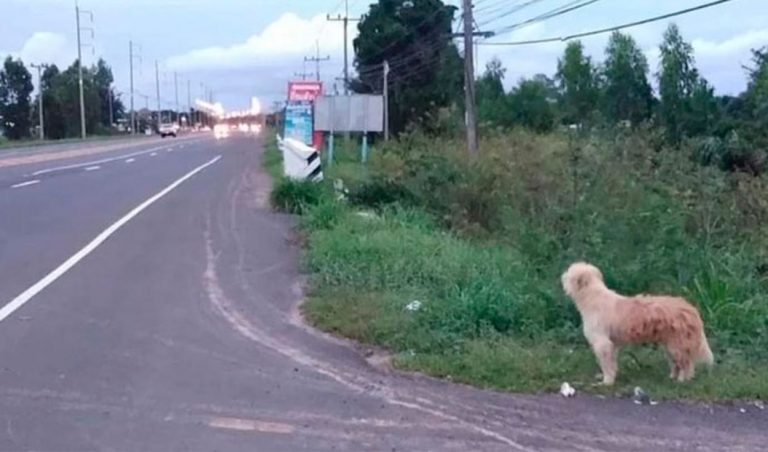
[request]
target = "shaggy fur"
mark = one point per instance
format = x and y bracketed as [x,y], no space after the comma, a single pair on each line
[611,320]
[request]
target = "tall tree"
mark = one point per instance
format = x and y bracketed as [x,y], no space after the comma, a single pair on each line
[678,79]
[425,66]
[15,90]
[578,84]
[627,95]
[532,104]
[756,95]
[102,83]
[55,120]
[492,105]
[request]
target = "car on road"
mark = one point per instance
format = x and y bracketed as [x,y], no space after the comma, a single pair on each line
[168,129]
[220,131]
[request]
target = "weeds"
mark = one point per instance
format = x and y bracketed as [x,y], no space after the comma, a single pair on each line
[482,245]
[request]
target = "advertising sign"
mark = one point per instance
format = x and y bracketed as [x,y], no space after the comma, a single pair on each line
[304,90]
[298,121]
[307,91]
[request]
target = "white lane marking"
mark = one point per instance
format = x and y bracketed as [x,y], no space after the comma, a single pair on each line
[130,160]
[96,162]
[169,150]
[153,154]
[48,279]
[24,184]
[92,168]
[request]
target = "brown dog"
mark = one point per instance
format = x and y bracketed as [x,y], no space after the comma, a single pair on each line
[611,320]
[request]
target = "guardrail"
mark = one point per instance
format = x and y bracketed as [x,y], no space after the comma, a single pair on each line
[300,161]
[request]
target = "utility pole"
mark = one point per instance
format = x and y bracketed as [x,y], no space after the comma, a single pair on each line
[157,89]
[131,56]
[303,74]
[40,68]
[176,94]
[346,19]
[316,59]
[200,116]
[111,116]
[469,80]
[189,103]
[78,12]
[385,90]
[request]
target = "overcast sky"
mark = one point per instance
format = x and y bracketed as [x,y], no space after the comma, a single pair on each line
[244,48]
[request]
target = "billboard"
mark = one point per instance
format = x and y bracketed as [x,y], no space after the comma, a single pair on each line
[358,113]
[307,91]
[298,121]
[304,90]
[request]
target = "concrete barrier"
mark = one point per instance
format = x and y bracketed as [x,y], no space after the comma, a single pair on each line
[300,161]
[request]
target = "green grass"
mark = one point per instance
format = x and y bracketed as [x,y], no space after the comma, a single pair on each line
[32,143]
[273,159]
[482,246]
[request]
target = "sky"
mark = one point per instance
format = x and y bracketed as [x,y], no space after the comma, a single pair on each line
[250,48]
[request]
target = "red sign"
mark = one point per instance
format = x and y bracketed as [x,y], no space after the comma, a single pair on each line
[307,90]
[304,90]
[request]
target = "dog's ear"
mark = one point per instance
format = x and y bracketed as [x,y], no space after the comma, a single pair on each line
[582,281]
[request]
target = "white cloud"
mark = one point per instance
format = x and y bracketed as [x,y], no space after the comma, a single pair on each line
[735,46]
[45,47]
[289,38]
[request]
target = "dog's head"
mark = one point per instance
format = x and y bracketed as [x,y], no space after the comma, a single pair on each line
[580,277]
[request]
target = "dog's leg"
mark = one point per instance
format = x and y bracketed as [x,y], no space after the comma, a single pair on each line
[689,371]
[682,363]
[673,370]
[605,351]
[688,366]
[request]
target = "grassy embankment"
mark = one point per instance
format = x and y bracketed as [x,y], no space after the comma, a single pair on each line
[482,244]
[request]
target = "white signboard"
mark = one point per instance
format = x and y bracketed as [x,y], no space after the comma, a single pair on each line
[358,113]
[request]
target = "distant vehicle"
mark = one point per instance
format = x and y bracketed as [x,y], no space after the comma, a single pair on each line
[168,129]
[220,131]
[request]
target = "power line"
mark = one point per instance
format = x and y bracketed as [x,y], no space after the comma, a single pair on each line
[515,8]
[430,45]
[609,29]
[564,9]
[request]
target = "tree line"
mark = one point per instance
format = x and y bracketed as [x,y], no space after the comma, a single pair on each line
[426,81]
[726,130]
[61,103]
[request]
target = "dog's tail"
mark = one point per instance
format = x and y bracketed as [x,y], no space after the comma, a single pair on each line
[705,355]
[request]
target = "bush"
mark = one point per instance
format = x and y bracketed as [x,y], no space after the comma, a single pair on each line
[293,196]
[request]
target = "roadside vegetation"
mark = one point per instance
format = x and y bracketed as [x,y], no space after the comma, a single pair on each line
[481,247]
[453,263]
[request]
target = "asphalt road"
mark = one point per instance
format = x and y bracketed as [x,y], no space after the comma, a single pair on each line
[149,302]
